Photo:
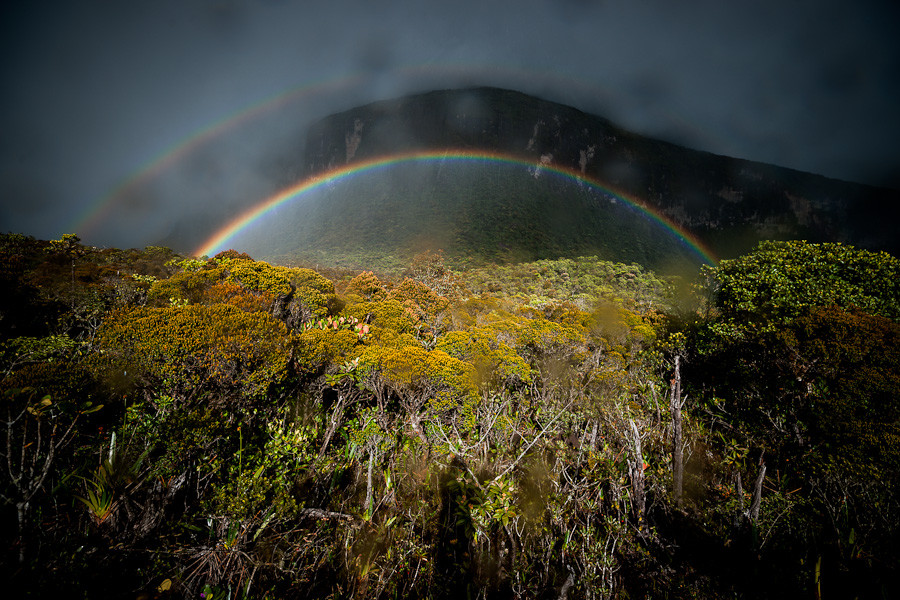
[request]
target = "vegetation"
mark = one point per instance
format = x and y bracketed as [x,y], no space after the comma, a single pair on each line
[480,213]
[566,428]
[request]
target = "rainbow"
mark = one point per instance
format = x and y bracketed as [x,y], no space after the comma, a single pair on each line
[91,217]
[222,237]
[437,74]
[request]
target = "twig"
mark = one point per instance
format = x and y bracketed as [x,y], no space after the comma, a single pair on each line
[533,442]
[318,513]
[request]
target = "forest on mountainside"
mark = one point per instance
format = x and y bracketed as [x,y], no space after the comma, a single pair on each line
[477,211]
[178,427]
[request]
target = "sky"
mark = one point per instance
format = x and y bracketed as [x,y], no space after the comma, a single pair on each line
[129,122]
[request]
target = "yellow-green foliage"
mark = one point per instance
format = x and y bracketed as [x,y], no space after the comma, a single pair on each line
[367,287]
[387,318]
[188,264]
[26,349]
[313,291]
[622,335]
[317,348]
[565,313]
[428,268]
[582,280]
[779,280]
[466,313]
[318,455]
[258,276]
[422,302]
[641,327]
[493,360]
[63,381]
[190,286]
[535,337]
[229,292]
[621,328]
[183,350]
[417,374]
[307,278]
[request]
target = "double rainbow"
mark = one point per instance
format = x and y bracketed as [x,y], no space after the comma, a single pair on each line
[92,217]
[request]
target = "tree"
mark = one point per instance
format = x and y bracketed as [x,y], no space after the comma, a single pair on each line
[798,363]
[495,362]
[42,406]
[424,305]
[367,287]
[779,280]
[429,269]
[69,246]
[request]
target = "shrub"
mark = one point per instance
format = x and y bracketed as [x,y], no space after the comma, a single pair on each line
[193,350]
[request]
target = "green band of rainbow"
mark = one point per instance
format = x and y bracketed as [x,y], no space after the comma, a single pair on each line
[221,238]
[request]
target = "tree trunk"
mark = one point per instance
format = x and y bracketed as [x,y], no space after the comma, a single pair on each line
[637,476]
[22,510]
[566,586]
[677,450]
[368,507]
[739,490]
[336,418]
[655,403]
[757,490]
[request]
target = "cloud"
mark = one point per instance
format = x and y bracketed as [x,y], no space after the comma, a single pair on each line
[97,90]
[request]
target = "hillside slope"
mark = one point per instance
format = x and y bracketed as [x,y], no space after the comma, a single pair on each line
[728,204]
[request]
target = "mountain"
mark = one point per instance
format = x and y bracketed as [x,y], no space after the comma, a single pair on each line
[523,210]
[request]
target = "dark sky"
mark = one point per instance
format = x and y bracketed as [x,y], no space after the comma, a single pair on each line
[95,91]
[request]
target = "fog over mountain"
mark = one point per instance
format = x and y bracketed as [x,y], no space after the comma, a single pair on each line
[486,173]
[173,113]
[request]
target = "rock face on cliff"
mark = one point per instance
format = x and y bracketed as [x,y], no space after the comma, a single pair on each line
[502,210]
[727,203]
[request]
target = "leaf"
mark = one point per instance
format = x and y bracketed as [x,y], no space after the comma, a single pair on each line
[264,523]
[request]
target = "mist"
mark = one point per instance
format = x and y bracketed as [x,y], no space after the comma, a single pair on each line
[153,124]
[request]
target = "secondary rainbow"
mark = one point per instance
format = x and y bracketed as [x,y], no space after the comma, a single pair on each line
[222,237]
[93,215]
[414,77]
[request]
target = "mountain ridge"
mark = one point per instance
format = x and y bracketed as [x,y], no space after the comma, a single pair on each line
[726,203]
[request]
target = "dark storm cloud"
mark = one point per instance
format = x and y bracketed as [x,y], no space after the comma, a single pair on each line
[95,90]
